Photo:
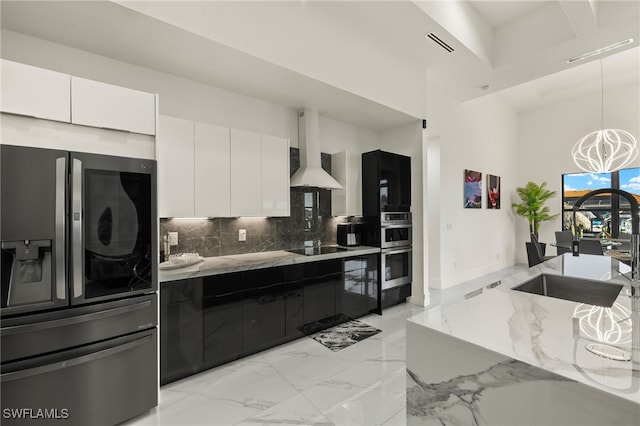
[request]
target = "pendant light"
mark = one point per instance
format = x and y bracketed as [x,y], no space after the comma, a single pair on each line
[605,150]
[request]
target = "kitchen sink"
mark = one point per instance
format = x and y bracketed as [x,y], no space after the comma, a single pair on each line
[592,292]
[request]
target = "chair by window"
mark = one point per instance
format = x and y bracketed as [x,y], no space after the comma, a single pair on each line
[591,247]
[535,253]
[563,242]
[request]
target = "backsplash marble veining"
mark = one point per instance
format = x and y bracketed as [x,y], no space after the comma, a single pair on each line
[219,236]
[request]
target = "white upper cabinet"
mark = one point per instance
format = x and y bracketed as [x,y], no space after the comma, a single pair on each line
[206,170]
[346,169]
[113,107]
[212,171]
[35,92]
[275,176]
[175,156]
[246,189]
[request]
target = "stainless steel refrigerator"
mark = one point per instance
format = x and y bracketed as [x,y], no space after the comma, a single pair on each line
[78,234]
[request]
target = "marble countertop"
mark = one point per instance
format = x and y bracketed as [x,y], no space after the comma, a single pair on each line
[546,332]
[242,262]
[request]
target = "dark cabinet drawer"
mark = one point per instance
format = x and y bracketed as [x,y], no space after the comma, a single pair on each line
[181,291]
[349,294]
[181,346]
[222,318]
[294,310]
[270,307]
[320,298]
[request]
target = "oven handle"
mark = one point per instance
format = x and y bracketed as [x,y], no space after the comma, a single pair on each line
[23,374]
[395,251]
[395,226]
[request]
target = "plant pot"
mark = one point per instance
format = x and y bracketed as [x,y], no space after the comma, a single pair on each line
[531,253]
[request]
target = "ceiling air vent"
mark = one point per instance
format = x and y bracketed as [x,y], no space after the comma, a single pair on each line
[439,42]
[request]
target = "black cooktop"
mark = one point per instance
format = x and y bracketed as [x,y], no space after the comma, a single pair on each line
[314,251]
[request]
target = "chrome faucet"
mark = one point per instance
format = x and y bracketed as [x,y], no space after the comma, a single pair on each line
[635,231]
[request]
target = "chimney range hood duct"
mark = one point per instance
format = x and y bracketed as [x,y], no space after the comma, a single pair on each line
[310,173]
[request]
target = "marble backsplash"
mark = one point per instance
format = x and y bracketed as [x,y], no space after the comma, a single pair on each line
[219,236]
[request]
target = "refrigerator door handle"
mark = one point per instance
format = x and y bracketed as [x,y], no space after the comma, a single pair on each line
[76,227]
[60,228]
[22,374]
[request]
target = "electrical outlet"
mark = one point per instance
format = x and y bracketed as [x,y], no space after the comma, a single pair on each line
[173,238]
[242,235]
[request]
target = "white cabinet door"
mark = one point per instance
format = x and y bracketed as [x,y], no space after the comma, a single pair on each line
[212,171]
[175,157]
[246,192]
[104,105]
[35,92]
[275,176]
[345,168]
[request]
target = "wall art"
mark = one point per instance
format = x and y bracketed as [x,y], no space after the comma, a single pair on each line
[493,192]
[472,189]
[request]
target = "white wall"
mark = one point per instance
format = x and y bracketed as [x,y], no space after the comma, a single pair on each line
[480,135]
[308,38]
[546,135]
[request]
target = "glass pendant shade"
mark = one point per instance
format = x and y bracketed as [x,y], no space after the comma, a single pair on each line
[605,150]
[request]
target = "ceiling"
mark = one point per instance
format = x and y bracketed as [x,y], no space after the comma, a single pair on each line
[521,46]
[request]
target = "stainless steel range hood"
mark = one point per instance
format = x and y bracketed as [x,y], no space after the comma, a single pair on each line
[310,173]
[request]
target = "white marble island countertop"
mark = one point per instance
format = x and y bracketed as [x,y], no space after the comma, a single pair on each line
[242,262]
[546,332]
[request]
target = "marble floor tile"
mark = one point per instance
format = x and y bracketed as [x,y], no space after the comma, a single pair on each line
[399,419]
[304,383]
[294,411]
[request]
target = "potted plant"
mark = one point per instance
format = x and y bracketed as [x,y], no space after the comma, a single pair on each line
[533,197]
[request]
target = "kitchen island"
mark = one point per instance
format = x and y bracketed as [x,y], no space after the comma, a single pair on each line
[506,357]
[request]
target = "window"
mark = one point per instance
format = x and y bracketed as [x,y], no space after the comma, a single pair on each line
[607,213]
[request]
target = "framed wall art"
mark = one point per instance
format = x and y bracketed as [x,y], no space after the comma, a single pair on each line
[472,189]
[493,192]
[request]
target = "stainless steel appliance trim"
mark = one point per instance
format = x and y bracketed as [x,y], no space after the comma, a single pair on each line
[6,331]
[391,244]
[76,227]
[383,264]
[60,227]
[406,218]
[21,374]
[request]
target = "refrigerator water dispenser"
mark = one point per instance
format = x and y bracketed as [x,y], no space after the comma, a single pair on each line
[30,279]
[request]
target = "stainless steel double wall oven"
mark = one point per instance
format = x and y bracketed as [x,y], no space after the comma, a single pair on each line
[395,242]
[78,287]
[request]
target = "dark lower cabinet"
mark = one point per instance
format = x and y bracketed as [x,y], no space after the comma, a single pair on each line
[320,282]
[357,294]
[180,329]
[350,290]
[371,285]
[222,317]
[395,295]
[264,306]
[294,309]
[209,321]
